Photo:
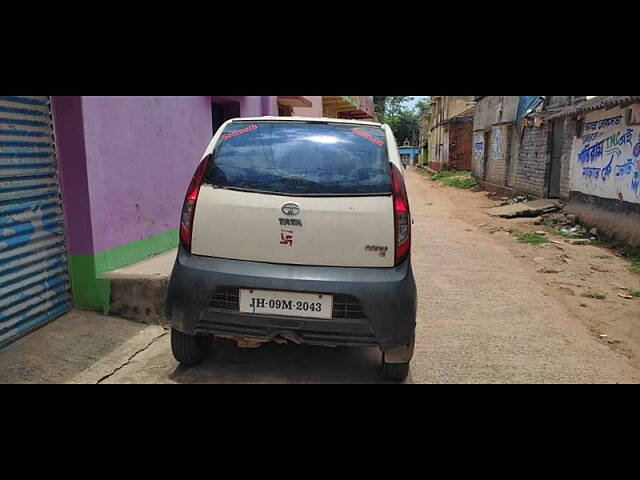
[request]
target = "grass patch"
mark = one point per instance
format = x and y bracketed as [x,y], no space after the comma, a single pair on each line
[633,255]
[532,238]
[635,293]
[595,295]
[455,178]
[450,173]
[460,182]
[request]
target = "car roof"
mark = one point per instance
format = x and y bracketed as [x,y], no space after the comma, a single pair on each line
[306,119]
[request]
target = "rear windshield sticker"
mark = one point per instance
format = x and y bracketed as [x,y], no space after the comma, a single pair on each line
[366,136]
[227,136]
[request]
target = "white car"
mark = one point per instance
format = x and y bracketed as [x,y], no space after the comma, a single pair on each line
[296,229]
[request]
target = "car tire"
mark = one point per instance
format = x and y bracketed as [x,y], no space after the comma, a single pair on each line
[395,371]
[188,349]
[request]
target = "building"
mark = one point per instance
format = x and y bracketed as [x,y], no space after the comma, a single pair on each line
[460,135]
[360,108]
[409,154]
[604,164]
[425,132]
[515,148]
[91,184]
[299,106]
[442,110]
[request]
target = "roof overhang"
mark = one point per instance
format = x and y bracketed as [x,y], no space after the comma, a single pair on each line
[596,103]
[342,104]
[295,101]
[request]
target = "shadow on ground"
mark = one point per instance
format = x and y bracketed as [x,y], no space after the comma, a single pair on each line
[273,363]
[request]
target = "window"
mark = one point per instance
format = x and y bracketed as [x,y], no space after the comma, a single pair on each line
[301,158]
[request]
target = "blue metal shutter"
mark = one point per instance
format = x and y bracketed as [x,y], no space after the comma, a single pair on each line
[34,279]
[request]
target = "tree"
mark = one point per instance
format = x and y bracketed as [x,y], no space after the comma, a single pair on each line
[389,106]
[405,125]
[422,106]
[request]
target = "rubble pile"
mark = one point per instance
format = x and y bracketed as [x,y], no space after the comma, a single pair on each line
[566,224]
[511,201]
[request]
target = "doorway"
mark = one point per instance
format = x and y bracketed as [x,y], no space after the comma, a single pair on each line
[223,111]
[485,154]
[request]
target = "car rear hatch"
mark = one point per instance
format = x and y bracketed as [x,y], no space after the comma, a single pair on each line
[294,192]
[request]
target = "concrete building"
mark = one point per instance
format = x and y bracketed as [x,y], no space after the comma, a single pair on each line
[425,133]
[514,148]
[603,164]
[444,108]
[408,153]
[354,107]
[299,106]
[91,184]
[460,133]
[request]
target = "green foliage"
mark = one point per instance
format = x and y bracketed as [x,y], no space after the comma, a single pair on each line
[403,121]
[532,238]
[405,126]
[389,106]
[449,173]
[422,106]
[456,178]
[635,293]
[595,295]
[633,255]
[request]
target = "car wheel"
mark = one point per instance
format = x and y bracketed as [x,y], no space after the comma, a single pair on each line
[188,349]
[395,371]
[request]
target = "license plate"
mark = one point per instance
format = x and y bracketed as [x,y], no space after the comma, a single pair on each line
[288,304]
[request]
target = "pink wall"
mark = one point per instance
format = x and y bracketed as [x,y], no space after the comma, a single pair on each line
[141,153]
[314,111]
[126,162]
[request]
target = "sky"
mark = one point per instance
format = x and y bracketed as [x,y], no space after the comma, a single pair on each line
[416,99]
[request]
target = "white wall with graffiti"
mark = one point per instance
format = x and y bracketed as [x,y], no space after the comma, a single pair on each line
[606,161]
[477,156]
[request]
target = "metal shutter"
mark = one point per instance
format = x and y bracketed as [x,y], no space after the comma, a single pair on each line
[34,280]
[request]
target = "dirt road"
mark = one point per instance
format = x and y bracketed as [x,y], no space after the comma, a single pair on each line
[485,315]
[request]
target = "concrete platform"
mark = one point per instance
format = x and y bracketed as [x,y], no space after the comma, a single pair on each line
[526,209]
[79,347]
[139,291]
[158,266]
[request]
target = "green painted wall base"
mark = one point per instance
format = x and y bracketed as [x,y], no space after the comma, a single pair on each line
[89,291]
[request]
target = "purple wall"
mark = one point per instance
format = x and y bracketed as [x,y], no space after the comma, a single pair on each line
[252,106]
[125,162]
[68,130]
[141,153]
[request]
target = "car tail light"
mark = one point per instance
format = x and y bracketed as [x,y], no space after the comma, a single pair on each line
[401,215]
[189,205]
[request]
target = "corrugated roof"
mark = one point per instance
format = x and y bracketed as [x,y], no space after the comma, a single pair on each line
[596,103]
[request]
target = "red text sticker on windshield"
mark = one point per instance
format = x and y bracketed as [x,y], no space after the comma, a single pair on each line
[227,136]
[366,136]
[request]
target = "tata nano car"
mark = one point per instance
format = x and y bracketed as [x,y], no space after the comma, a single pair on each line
[296,229]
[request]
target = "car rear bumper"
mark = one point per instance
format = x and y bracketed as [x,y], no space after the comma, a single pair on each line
[372,306]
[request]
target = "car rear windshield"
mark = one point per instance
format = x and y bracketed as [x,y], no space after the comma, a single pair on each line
[301,158]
